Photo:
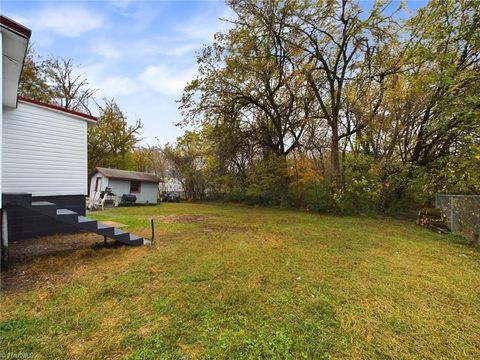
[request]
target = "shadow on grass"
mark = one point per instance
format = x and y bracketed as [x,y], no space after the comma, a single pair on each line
[40,260]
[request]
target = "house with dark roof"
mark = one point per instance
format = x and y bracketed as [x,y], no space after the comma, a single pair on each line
[122,182]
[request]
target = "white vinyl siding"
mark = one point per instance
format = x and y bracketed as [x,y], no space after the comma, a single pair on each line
[148,191]
[44,152]
[120,187]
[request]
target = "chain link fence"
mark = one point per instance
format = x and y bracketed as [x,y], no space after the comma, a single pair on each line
[462,213]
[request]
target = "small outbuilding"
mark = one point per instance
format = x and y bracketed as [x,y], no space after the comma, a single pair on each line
[122,182]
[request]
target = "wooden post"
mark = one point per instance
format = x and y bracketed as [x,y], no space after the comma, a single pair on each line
[4,245]
[153,230]
[104,240]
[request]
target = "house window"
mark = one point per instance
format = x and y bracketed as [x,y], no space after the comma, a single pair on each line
[134,186]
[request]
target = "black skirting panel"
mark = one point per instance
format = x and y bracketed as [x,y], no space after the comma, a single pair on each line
[24,223]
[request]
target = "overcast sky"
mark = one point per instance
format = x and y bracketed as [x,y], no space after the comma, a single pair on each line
[139,53]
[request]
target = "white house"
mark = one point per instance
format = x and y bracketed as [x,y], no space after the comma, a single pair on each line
[122,182]
[43,158]
[43,148]
[171,184]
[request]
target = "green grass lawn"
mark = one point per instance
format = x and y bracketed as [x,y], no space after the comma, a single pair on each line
[237,282]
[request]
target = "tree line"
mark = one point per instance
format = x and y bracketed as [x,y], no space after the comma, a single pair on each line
[333,105]
[325,105]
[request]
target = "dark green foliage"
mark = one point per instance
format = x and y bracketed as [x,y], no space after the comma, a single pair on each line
[112,141]
[369,111]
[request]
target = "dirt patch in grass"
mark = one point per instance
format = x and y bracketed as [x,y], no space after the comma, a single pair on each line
[114,224]
[182,218]
[24,250]
[22,272]
[189,351]
[227,227]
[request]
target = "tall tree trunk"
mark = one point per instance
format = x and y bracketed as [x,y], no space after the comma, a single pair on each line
[335,159]
[283,180]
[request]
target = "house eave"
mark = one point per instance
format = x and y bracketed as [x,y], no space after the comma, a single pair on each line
[15,27]
[56,108]
[98,170]
[15,38]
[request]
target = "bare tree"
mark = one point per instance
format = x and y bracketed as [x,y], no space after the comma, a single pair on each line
[70,89]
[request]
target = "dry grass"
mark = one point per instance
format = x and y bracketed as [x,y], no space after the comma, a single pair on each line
[226,281]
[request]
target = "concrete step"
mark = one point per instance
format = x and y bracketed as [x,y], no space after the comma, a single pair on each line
[67,216]
[43,203]
[136,240]
[121,236]
[87,223]
[106,230]
[44,207]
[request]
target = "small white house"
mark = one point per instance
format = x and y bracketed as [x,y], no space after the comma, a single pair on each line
[122,182]
[171,184]
[43,147]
